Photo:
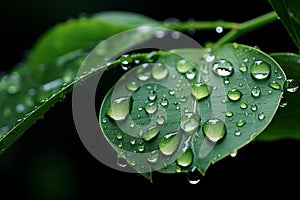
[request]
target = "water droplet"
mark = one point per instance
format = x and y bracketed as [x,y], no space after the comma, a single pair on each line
[190,122]
[283,102]
[260,70]
[261,116]
[164,102]
[193,176]
[219,29]
[183,98]
[274,85]
[237,132]
[255,91]
[151,108]
[141,147]
[290,85]
[190,75]
[223,67]
[132,86]
[20,108]
[229,114]
[234,153]
[132,142]
[120,145]
[184,66]
[153,157]
[243,105]
[171,92]
[200,91]
[169,143]
[185,159]
[226,80]
[160,119]
[151,133]
[151,95]
[119,136]
[234,94]
[241,123]
[119,108]
[121,160]
[243,68]
[159,72]
[254,107]
[214,129]
[142,75]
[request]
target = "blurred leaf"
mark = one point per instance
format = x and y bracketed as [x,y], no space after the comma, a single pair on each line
[285,124]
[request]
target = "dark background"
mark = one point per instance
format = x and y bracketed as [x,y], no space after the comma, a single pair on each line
[50,162]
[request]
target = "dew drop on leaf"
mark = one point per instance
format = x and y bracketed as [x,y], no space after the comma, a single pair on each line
[241,123]
[255,91]
[260,70]
[200,91]
[214,129]
[237,132]
[164,102]
[151,95]
[185,159]
[169,143]
[151,108]
[160,119]
[159,72]
[193,176]
[151,133]
[290,85]
[223,67]
[274,85]
[234,94]
[190,122]
[243,67]
[119,108]
[243,105]
[132,86]
[261,116]
[184,66]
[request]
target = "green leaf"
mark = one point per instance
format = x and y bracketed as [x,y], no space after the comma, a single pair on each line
[288,12]
[285,124]
[30,89]
[191,108]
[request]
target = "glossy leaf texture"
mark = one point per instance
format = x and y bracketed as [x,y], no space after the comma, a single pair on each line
[285,124]
[49,73]
[288,12]
[191,108]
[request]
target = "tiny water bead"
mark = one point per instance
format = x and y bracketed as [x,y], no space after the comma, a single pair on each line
[283,102]
[151,108]
[159,72]
[237,132]
[229,114]
[151,133]
[151,95]
[223,67]
[119,108]
[160,119]
[193,176]
[190,122]
[214,129]
[244,105]
[241,123]
[254,107]
[256,91]
[274,85]
[260,70]
[185,159]
[261,116]
[190,75]
[184,66]
[226,80]
[169,143]
[153,157]
[290,85]
[132,86]
[243,68]
[234,94]
[200,91]
[164,102]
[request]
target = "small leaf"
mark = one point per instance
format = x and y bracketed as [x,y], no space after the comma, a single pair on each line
[288,12]
[285,124]
[238,107]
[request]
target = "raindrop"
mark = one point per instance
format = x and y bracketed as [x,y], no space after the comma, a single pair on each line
[274,85]
[233,154]
[243,105]
[237,132]
[132,142]
[171,92]
[229,114]
[159,72]
[283,102]
[153,157]
[190,75]
[160,119]
[200,91]
[254,107]
[261,116]
[164,102]
[219,29]
[223,67]
[255,91]
[120,145]
[234,94]
[193,176]
[214,129]
[141,75]
[141,147]
[260,70]
[190,122]
[151,133]
[184,66]
[125,65]
[151,95]
[121,160]
[290,85]
[151,108]
[241,123]
[119,136]
[169,143]
[132,86]
[185,159]
[119,108]
[226,80]
[183,98]
[243,67]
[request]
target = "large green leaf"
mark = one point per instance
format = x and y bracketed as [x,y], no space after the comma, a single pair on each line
[285,124]
[186,112]
[288,12]
[33,87]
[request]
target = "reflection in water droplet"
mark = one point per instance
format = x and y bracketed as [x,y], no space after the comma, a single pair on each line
[193,176]
[119,136]
[151,108]
[159,72]
[169,143]
[153,157]
[223,67]
[219,29]
[261,116]
[234,94]
[283,102]
[190,122]
[119,108]
[255,91]
[151,133]
[274,85]
[214,129]
[200,91]
[241,123]
[184,66]
[260,70]
[237,132]
[185,159]
[160,119]
[132,86]
[290,85]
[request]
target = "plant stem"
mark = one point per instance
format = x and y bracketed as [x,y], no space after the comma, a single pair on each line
[203,25]
[246,27]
